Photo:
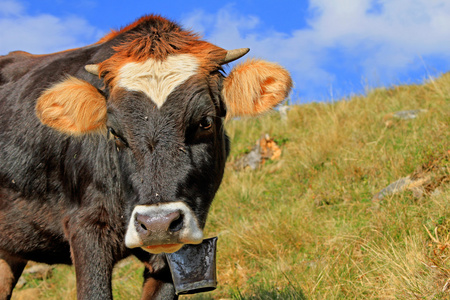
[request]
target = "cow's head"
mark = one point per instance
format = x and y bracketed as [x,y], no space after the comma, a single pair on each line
[163,104]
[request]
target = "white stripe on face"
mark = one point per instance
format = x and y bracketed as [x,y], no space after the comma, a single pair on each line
[157,79]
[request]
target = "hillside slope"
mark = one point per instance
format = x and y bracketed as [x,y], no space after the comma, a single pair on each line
[308,225]
[309,222]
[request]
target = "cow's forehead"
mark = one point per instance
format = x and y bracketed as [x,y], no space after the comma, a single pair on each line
[158,78]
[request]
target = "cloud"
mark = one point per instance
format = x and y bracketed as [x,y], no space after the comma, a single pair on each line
[10,7]
[391,38]
[41,33]
[379,41]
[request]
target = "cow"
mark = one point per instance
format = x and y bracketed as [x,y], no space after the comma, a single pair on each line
[118,148]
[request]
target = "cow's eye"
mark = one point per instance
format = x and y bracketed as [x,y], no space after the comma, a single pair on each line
[206,123]
[120,141]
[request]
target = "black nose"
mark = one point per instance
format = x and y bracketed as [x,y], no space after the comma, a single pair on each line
[158,225]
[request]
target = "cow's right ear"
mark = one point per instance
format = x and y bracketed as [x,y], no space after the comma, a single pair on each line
[72,106]
[254,87]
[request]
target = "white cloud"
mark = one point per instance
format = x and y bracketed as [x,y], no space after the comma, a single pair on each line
[378,39]
[397,34]
[41,33]
[10,7]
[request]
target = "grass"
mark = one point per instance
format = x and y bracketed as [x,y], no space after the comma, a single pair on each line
[306,227]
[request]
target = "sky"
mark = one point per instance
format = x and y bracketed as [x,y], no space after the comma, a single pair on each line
[333,48]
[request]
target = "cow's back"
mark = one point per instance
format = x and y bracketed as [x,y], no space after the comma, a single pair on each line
[15,65]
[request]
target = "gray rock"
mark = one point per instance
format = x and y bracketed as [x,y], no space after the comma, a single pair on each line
[252,159]
[415,185]
[283,112]
[39,270]
[409,114]
[395,187]
[20,283]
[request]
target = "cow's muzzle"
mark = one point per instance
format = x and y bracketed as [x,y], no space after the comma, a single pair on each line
[162,227]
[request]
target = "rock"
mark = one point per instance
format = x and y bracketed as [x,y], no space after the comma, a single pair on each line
[36,271]
[123,263]
[283,112]
[409,114]
[425,180]
[265,149]
[393,188]
[252,159]
[20,283]
[403,184]
[39,271]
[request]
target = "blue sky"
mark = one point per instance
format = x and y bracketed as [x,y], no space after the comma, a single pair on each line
[333,48]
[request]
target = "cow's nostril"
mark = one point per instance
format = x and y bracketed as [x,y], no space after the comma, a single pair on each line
[143,227]
[142,224]
[176,224]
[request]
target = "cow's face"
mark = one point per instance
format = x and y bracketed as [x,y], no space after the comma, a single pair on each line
[165,121]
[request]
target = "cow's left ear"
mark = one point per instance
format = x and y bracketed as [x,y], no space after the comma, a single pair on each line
[72,106]
[255,87]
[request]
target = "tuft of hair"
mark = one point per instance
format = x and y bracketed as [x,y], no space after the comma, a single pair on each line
[72,106]
[254,87]
[157,38]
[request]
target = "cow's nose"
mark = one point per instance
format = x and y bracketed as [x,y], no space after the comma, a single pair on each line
[158,225]
[172,223]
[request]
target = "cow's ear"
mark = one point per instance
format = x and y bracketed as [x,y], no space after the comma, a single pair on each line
[72,106]
[255,87]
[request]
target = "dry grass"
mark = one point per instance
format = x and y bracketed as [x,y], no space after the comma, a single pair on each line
[306,224]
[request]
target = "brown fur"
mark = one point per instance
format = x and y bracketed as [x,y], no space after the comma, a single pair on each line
[73,106]
[255,87]
[10,270]
[164,38]
[150,288]
[115,33]
[6,280]
[207,54]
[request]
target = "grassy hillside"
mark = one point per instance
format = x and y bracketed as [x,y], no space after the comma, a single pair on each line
[307,226]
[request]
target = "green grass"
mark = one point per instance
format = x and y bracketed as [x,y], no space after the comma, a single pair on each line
[305,226]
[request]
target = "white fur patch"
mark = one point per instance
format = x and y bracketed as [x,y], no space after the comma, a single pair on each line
[157,79]
[191,233]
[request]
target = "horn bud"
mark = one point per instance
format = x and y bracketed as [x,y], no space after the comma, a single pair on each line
[234,54]
[93,69]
